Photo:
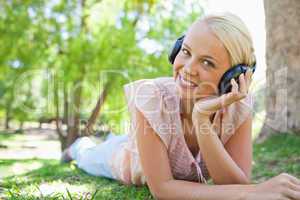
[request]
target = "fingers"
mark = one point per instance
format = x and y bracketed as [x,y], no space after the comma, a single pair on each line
[248,77]
[235,95]
[243,84]
[245,81]
[293,187]
[293,179]
[235,86]
[293,194]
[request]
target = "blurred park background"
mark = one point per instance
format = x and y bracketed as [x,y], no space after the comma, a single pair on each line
[63,64]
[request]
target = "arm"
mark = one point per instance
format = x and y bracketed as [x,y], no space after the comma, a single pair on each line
[239,147]
[156,167]
[229,165]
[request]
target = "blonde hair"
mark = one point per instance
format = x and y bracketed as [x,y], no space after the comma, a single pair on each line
[234,35]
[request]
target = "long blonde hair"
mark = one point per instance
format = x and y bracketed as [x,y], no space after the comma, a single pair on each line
[234,35]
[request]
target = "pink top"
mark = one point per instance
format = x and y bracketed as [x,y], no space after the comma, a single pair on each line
[159,102]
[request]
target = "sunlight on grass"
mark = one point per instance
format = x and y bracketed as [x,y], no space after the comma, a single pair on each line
[14,167]
[45,189]
[19,168]
[28,146]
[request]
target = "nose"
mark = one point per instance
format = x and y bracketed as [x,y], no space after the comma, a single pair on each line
[190,68]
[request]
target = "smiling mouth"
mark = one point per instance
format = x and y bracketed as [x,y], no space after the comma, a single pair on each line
[186,83]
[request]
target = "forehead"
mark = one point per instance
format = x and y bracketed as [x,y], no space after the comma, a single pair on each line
[204,42]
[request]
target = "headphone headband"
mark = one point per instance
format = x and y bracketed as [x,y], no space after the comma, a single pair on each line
[176,48]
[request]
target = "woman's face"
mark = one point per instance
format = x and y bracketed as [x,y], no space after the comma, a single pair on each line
[200,63]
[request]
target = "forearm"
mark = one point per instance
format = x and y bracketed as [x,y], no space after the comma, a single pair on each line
[181,190]
[221,167]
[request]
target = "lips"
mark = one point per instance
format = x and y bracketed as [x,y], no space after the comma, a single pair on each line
[186,83]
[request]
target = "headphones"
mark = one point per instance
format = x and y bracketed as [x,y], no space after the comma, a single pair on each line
[224,84]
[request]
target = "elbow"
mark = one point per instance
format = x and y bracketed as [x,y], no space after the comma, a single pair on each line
[248,180]
[160,192]
[157,194]
[245,179]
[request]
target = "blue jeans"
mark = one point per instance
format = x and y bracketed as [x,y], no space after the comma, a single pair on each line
[93,158]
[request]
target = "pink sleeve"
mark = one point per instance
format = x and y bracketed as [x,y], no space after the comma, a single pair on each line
[146,96]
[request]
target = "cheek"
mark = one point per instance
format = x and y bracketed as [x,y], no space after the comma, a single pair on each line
[177,66]
[209,83]
[178,63]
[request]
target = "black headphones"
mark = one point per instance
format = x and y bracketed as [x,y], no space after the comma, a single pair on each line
[224,84]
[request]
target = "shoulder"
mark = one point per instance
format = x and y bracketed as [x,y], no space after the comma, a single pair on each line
[155,99]
[151,93]
[145,86]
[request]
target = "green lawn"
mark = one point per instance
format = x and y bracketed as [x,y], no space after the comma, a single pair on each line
[48,179]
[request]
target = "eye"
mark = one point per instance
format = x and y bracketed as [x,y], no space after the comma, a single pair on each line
[208,63]
[185,51]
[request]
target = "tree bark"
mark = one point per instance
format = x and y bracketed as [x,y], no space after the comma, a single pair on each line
[73,128]
[7,117]
[21,126]
[59,131]
[74,124]
[92,119]
[283,67]
[66,105]
[8,109]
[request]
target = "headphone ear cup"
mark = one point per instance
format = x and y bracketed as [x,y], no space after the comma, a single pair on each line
[234,72]
[175,50]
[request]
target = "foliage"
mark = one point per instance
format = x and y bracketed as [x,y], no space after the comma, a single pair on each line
[86,43]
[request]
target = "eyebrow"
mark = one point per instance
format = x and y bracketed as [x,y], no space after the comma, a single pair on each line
[206,56]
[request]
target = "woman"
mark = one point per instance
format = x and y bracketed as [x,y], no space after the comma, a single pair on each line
[183,133]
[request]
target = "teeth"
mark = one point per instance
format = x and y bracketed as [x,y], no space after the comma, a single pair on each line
[188,83]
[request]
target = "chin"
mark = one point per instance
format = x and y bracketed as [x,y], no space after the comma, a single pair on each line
[192,93]
[184,92]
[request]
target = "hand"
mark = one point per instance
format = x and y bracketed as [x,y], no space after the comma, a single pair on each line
[204,108]
[283,186]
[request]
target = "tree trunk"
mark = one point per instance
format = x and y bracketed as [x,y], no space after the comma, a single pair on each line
[66,106]
[21,126]
[73,127]
[59,131]
[9,109]
[283,67]
[74,124]
[91,121]
[7,117]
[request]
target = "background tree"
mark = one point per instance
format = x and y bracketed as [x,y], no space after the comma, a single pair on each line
[67,61]
[283,67]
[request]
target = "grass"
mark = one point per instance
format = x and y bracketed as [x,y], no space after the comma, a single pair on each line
[48,179]
[279,153]
[53,180]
